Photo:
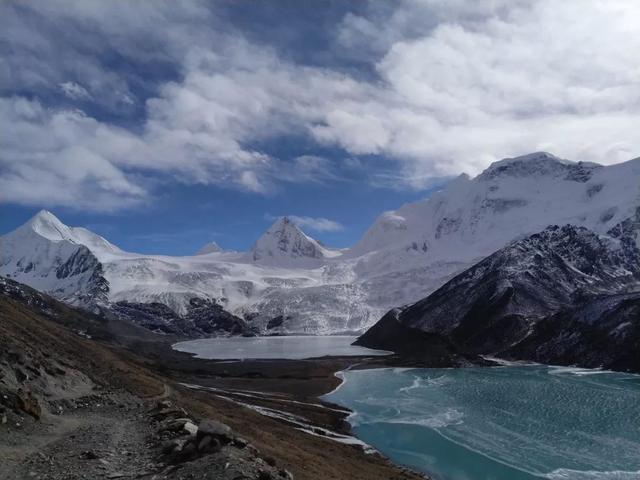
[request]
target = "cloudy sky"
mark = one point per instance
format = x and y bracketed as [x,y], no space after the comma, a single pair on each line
[162,125]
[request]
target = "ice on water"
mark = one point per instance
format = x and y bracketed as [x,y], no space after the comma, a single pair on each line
[285,347]
[503,423]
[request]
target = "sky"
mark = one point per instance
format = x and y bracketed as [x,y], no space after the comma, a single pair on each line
[163,125]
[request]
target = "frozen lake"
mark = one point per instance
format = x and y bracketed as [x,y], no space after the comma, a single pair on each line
[501,423]
[288,347]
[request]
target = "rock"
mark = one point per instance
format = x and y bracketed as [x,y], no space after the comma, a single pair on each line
[188,452]
[285,474]
[205,443]
[161,405]
[90,455]
[171,445]
[190,428]
[265,475]
[270,461]
[178,425]
[20,375]
[54,371]
[216,430]
[171,412]
[26,402]
[16,357]
[209,444]
[240,442]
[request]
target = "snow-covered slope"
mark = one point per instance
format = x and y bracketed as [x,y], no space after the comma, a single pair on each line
[292,283]
[512,199]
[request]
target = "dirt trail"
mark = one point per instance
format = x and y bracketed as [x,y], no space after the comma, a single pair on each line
[96,441]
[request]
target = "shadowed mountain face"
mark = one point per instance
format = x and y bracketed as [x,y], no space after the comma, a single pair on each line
[602,332]
[563,295]
[203,318]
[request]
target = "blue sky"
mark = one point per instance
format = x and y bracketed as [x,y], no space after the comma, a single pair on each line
[185,218]
[162,125]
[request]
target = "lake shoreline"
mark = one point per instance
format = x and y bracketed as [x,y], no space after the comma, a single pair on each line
[289,389]
[284,391]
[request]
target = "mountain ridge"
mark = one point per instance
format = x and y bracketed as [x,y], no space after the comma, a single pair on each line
[405,255]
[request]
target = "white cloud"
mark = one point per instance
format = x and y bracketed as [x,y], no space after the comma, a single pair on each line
[318,224]
[475,86]
[74,91]
[64,158]
[467,84]
[460,85]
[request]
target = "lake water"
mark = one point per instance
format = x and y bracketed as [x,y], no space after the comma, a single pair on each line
[503,423]
[287,347]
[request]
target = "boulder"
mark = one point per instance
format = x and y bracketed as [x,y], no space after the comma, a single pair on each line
[176,425]
[216,430]
[169,446]
[190,428]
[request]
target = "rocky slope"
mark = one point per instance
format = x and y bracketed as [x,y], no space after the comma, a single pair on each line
[291,279]
[72,408]
[84,397]
[203,318]
[604,331]
[564,295]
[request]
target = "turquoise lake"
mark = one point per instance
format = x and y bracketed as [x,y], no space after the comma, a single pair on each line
[502,423]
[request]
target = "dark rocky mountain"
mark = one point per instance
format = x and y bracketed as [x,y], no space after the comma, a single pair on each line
[564,295]
[203,318]
[602,332]
[415,346]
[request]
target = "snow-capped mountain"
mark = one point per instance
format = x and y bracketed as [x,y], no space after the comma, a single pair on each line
[541,298]
[284,244]
[289,282]
[211,247]
[51,257]
[511,199]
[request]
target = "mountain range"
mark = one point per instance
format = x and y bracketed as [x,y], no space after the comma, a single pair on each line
[290,283]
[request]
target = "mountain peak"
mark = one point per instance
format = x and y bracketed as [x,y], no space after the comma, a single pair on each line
[284,239]
[283,224]
[210,247]
[47,225]
[540,164]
